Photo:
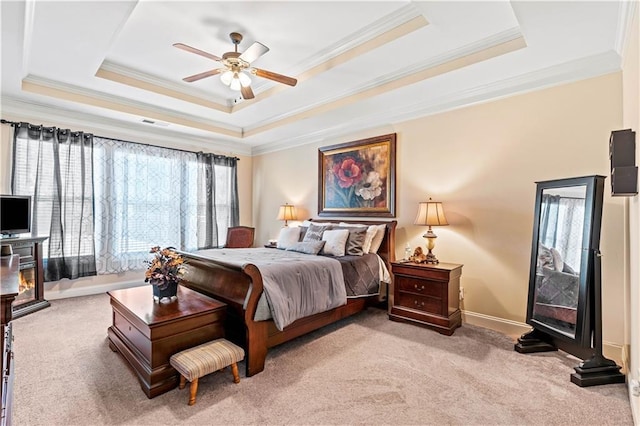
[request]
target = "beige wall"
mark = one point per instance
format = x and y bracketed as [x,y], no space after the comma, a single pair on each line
[482,162]
[92,285]
[631,119]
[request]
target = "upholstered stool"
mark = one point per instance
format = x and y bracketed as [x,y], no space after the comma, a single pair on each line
[212,356]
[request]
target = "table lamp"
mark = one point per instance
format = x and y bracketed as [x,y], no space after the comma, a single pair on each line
[287,212]
[430,213]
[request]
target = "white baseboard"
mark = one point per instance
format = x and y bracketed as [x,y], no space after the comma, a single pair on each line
[635,404]
[515,329]
[56,293]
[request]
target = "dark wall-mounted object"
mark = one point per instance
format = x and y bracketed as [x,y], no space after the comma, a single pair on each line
[622,155]
[564,304]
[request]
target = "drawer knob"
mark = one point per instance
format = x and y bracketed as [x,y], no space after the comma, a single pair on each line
[418,288]
[418,303]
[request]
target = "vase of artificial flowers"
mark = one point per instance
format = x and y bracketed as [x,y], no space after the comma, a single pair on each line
[164,273]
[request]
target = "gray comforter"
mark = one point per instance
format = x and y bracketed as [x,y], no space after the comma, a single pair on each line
[296,285]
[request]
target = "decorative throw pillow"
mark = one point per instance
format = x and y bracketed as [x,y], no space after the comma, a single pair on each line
[314,233]
[355,242]
[377,238]
[303,232]
[309,247]
[287,237]
[335,242]
[371,233]
[558,263]
[545,258]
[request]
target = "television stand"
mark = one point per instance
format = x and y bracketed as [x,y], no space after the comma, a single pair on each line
[31,274]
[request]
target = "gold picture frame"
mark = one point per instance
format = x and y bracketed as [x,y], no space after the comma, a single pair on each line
[358,178]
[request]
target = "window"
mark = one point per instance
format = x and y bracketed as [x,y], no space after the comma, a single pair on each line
[145,196]
[119,199]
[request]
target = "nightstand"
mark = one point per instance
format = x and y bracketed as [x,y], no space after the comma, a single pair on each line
[427,295]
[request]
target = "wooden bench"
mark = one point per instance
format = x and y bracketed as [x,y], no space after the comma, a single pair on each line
[207,358]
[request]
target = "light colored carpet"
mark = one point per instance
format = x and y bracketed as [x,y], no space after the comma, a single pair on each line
[363,370]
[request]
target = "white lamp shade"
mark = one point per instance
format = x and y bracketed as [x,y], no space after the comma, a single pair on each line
[430,213]
[244,79]
[235,82]
[226,77]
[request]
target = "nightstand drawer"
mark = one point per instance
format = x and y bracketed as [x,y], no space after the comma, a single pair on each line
[432,305]
[421,286]
[426,295]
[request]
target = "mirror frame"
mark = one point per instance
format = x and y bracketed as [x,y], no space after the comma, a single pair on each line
[590,247]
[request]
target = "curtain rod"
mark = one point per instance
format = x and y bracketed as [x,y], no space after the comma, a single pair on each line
[14,124]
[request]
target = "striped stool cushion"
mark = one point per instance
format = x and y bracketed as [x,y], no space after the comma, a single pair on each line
[206,358]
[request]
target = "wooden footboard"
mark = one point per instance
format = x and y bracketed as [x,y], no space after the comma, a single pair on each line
[231,284]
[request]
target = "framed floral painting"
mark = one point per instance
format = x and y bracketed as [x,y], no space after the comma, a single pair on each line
[358,178]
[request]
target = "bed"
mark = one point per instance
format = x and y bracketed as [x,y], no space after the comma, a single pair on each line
[241,288]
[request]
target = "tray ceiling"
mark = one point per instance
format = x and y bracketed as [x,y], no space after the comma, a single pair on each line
[359,64]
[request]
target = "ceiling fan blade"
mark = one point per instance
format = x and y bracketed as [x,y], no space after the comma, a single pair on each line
[275,76]
[196,51]
[202,75]
[254,52]
[247,93]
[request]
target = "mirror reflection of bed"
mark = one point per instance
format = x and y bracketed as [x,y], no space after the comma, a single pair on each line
[564,302]
[559,256]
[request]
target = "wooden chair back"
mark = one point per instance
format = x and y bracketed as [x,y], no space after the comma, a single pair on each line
[240,237]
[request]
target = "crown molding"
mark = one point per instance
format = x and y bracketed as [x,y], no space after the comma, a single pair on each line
[56,89]
[125,75]
[626,13]
[375,29]
[495,45]
[565,73]
[23,110]
[29,16]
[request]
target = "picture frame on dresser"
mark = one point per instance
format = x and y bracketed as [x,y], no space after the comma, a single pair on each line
[358,178]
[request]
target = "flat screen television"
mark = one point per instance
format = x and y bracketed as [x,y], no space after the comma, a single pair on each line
[15,214]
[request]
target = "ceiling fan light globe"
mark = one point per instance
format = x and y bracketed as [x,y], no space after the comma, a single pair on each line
[226,77]
[245,80]
[235,84]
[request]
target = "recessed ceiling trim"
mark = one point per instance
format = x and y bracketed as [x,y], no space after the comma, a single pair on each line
[393,26]
[565,73]
[71,93]
[22,110]
[346,55]
[395,81]
[130,77]
[391,22]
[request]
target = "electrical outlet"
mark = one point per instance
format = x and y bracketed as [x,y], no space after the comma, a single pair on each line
[635,388]
[461,293]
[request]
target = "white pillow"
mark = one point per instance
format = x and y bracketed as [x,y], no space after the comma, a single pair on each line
[377,238]
[288,236]
[368,239]
[335,242]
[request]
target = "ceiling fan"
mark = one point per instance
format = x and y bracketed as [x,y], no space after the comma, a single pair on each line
[237,66]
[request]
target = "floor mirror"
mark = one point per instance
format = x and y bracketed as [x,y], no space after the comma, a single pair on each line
[564,302]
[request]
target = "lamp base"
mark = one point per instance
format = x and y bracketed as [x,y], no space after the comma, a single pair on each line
[431,243]
[431,258]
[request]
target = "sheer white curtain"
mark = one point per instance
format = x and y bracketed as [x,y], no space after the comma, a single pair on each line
[145,196]
[561,227]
